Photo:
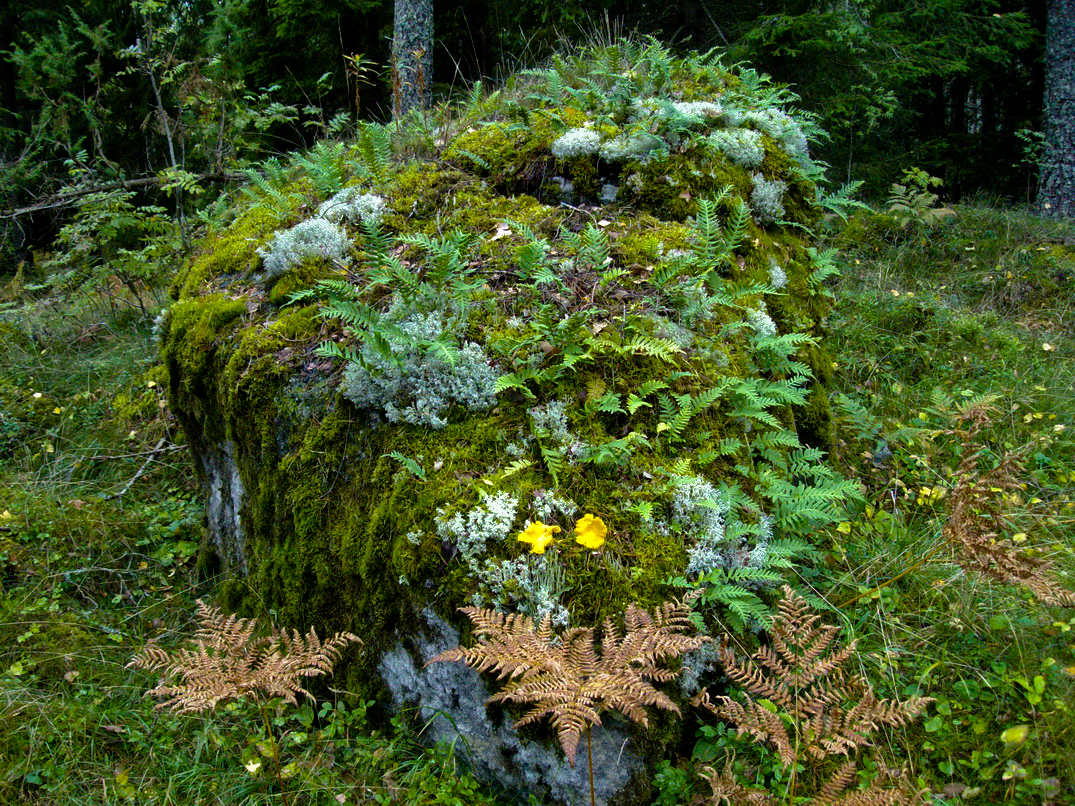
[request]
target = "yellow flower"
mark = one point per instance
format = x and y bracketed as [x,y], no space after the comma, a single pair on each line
[590,532]
[539,536]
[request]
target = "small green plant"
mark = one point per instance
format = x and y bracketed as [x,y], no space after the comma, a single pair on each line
[113,243]
[914,201]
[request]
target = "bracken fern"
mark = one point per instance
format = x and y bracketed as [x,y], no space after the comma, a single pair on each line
[821,709]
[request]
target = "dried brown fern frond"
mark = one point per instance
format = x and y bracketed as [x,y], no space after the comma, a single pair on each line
[726,791]
[229,662]
[567,678]
[832,711]
[822,708]
[729,792]
[975,522]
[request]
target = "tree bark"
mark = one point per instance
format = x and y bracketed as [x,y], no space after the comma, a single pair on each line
[1056,197]
[412,56]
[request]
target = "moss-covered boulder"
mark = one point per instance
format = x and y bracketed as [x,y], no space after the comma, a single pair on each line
[410,365]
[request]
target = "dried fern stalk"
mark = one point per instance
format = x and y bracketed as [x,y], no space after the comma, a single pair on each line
[830,711]
[227,662]
[726,791]
[975,522]
[567,678]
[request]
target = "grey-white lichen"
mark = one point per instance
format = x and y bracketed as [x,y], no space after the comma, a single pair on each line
[547,505]
[576,143]
[624,147]
[784,129]
[421,385]
[777,276]
[471,531]
[697,664]
[529,585]
[741,146]
[767,198]
[350,204]
[161,322]
[313,238]
[700,509]
[760,552]
[759,319]
[699,110]
[551,419]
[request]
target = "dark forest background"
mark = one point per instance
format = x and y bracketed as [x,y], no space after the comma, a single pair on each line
[170,94]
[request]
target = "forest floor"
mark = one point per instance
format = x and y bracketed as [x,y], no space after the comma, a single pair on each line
[953,338]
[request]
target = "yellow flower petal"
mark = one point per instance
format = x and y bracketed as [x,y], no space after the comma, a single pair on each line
[539,536]
[542,543]
[590,532]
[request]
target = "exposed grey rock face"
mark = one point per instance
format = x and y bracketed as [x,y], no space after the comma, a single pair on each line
[223,502]
[452,697]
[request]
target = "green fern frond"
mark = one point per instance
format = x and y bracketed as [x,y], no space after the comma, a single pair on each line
[517,466]
[651,386]
[840,202]
[554,462]
[410,465]
[644,510]
[324,166]
[518,380]
[672,269]
[611,276]
[863,424]
[475,159]
[373,148]
[609,403]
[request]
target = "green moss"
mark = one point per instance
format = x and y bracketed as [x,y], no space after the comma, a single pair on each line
[300,278]
[512,155]
[142,400]
[59,648]
[644,240]
[195,327]
[233,252]
[669,188]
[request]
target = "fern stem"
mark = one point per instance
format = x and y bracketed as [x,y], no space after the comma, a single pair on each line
[795,761]
[589,758]
[275,752]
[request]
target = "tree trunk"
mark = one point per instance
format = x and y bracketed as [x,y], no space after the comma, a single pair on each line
[1056,198]
[412,56]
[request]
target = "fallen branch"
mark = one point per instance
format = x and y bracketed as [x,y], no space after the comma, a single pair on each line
[65,198]
[159,449]
[152,452]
